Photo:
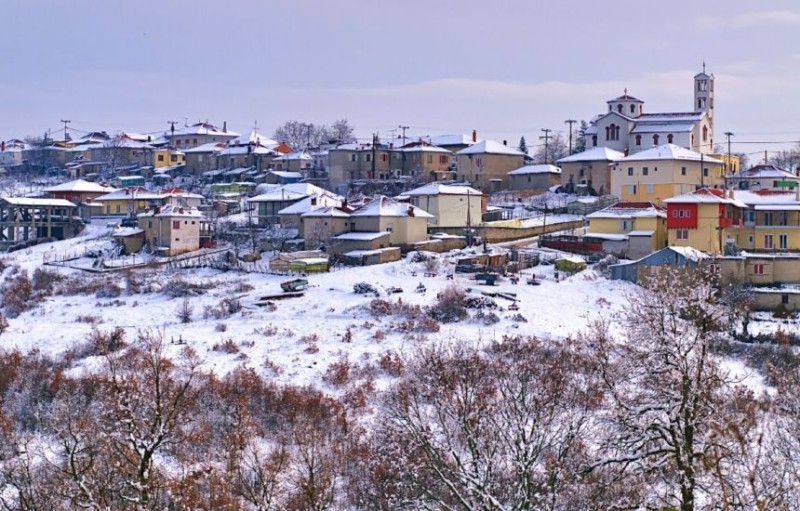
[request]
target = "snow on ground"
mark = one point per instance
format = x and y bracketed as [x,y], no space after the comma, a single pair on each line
[285,336]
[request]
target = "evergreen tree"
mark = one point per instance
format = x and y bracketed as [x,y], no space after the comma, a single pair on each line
[522,145]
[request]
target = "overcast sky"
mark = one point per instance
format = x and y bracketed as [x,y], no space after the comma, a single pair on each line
[505,68]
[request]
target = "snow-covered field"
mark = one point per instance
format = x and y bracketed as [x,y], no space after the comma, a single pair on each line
[304,335]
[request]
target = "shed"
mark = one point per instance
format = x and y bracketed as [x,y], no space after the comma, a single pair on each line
[570,264]
[309,265]
[669,256]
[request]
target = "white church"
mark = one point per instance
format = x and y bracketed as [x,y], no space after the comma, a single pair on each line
[626,128]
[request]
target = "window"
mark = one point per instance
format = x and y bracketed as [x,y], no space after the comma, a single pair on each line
[655,139]
[768,218]
[675,213]
[633,189]
[645,171]
[352,157]
[758,269]
[194,140]
[633,109]
[650,189]
[389,227]
[625,225]
[683,171]
[783,241]
[173,157]
[638,140]
[768,241]
[176,224]
[594,140]
[479,162]
[630,171]
[160,157]
[705,133]
[178,142]
[430,158]
[681,213]
[682,234]
[785,299]
[580,172]
[705,172]
[443,160]
[384,157]
[118,207]
[149,224]
[751,216]
[368,157]
[669,138]
[619,108]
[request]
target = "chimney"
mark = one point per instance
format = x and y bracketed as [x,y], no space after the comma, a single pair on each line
[411,211]
[224,126]
[505,142]
[474,136]
[625,152]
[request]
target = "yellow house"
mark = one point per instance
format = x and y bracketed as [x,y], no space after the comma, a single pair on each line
[168,157]
[643,223]
[486,164]
[128,201]
[706,219]
[771,221]
[407,223]
[450,205]
[662,172]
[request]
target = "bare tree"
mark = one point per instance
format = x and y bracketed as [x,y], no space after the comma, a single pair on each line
[555,149]
[342,132]
[307,135]
[668,396]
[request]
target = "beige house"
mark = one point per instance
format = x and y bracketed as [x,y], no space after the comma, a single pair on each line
[293,215]
[662,172]
[320,226]
[199,134]
[407,223]
[589,172]
[349,162]
[450,205]
[535,177]
[277,198]
[486,165]
[171,230]
[423,161]
[202,158]
[642,225]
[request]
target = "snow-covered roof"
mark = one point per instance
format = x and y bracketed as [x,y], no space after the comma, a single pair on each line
[593,154]
[764,172]
[243,149]
[362,236]
[291,191]
[297,155]
[535,169]
[630,210]
[36,202]
[80,186]
[706,196]
[311,203]
[210,147]
[762,197]
[452,139]
[670,117]
[442,189]
[327,212]
[131,192]
[655,127]
[286,174]
[690,253]
[204,128]
[423,147]
[172,210]
[254,138]
[641,233]
[669,152]
[490,147]
[384,206]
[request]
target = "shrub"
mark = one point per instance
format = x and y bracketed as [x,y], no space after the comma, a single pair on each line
[519,318]
[184,311]
[267,331]
[220,327]
[226,346]
[133,282]
[392,364]
[242,287]
[108,289]
[450,305]
[363,288]
[379,335]
[224,309]
[308,339]
[18,295]
[3,323]
[338,373]
[45,281]
[487,318]
[88,319]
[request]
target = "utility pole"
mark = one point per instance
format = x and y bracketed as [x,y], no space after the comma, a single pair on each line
[308,134]
[546,139]
[374,151]
[729,135]
[570,122]
[402,151]
[172,131]
[65,121]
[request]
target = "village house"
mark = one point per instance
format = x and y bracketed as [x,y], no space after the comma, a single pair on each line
[171,230]
[128,201]
[663,172]
[762,177]
[78,191]
[167,156]
[320,226]
[293,215]
[199,134]
[269,204]
[350,162]
[298,161]
[486,164]
[423,161]
[705,219]
[535,178]
[202,158]
[627,128]
[406,223]
[588,172]
[449,205]
[249,151]
[635,228]
[452,143]
[771,221]
[12,152]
